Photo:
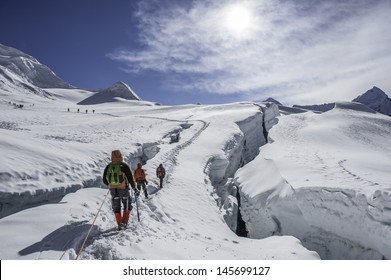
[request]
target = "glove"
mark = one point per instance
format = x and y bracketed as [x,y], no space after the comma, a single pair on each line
[137,193]
[146,182]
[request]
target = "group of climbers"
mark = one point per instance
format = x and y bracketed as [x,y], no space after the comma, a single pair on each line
[118,176]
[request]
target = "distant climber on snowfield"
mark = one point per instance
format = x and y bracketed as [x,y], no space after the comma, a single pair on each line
[160,173]
[117,176]
[141,181]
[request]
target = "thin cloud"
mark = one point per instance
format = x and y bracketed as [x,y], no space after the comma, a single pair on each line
[290,49]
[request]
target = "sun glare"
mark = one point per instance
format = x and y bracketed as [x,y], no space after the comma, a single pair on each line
[238,19]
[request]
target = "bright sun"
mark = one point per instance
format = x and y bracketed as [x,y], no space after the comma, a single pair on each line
[238,19]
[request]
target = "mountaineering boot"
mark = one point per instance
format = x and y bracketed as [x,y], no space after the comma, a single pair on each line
[125,217]
[118,218]
[123,223]
[123,226]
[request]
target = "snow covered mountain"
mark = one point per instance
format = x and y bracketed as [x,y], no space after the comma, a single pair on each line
[28,68]
[21,73]
[12,83]
[272,100]
[376,99]
[117,91]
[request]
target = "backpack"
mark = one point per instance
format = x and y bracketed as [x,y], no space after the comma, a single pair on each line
[139,174]
[115,177]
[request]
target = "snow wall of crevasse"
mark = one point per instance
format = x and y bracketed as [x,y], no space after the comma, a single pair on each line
[244,146]
[336,223]
[239,151]
[268,201]
[346,224]
[52,183]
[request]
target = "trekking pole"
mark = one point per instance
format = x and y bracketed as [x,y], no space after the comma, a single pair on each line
[136,198]
[88,233]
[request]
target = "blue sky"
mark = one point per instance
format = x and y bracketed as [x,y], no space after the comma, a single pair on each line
[177,52]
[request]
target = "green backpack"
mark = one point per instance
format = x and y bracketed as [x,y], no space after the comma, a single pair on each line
[115,176]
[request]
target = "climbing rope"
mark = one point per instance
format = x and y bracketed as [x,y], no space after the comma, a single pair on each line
[89,231]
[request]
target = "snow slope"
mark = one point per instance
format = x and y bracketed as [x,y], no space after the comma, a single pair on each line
[51,179]
[325,179]
[29,68]
[13,83]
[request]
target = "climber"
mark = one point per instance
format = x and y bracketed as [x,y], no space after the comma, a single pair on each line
[117,176]
[160,173]
[141,181]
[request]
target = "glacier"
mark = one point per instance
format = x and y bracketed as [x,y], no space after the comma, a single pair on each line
[245,180]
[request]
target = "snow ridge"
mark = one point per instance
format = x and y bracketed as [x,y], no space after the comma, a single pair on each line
[317,108]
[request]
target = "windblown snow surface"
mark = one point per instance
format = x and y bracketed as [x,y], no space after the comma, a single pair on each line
[320,183]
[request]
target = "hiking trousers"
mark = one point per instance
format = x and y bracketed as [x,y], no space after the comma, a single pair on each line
[118,197]
[161,181]
[141,184]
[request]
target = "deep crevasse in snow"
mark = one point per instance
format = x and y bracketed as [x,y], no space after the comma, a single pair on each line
[324,181]
[239,151]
